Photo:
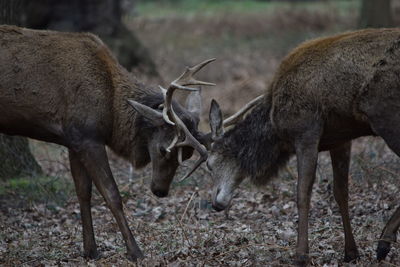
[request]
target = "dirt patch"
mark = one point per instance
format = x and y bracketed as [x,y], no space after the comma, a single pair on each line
[182,230]
[260,228]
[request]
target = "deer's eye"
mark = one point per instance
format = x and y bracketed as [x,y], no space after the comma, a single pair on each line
[163,151]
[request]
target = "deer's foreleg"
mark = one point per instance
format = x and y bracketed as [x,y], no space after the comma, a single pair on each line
[94,158]
[83,186]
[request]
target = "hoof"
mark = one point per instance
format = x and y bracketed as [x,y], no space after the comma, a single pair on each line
[135,256]
[93,255]
[302,260]
[351,256]
[382,250]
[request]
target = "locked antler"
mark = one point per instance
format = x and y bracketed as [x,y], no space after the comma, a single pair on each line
[182,132]
[238,115]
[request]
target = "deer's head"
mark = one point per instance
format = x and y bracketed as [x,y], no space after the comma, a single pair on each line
[222,164]
[175,130]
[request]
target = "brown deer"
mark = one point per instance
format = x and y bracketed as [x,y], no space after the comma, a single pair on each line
[67,88]
[325,93]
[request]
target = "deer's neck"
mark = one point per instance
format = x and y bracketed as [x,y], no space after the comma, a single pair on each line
[130,132]
[256,147]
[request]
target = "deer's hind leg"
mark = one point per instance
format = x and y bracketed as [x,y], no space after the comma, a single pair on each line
[340,163]
[379,102]
[387,125]
[388,235]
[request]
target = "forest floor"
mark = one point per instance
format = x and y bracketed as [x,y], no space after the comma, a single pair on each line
[40,218]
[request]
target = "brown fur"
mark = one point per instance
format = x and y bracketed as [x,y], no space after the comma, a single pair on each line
[67,81]
[325,93]
[325,77]
[68,89]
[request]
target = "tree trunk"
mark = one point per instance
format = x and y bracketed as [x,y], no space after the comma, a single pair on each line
[102,17]
[10,12]
[375,14]
[16,158]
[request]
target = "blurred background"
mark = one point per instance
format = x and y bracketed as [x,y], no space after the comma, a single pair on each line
[155,40]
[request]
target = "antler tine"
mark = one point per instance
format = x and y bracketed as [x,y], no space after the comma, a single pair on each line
[173,143]
[165,107]
[171,118]
[238,115]
[199,66]
[195,166]
[187,77]
[180,160]
[191,141]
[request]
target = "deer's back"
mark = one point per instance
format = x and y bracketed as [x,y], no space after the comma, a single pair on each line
[52,84]
[326,77]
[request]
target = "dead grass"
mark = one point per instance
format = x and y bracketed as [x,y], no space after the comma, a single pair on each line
[183,230]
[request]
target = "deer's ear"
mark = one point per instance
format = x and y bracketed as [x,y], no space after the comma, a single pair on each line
[193,103]
[216,121]
[153,115]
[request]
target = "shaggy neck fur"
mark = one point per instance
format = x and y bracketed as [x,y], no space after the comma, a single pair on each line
[130,130]
[255,146]
[126,136]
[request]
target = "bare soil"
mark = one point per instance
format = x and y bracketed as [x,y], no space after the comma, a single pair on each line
[260,228]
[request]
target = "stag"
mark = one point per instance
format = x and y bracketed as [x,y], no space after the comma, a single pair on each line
[68,89]
[325,93]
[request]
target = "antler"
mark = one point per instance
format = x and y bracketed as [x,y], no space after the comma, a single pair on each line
[238,115]
[182,83]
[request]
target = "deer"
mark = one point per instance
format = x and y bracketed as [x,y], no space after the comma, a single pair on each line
[325,93]
[68,89]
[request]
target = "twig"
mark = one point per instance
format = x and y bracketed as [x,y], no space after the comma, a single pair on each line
[183,230]
[387,170]
[390,264]
[105,260]
[187,206]
[125,188]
